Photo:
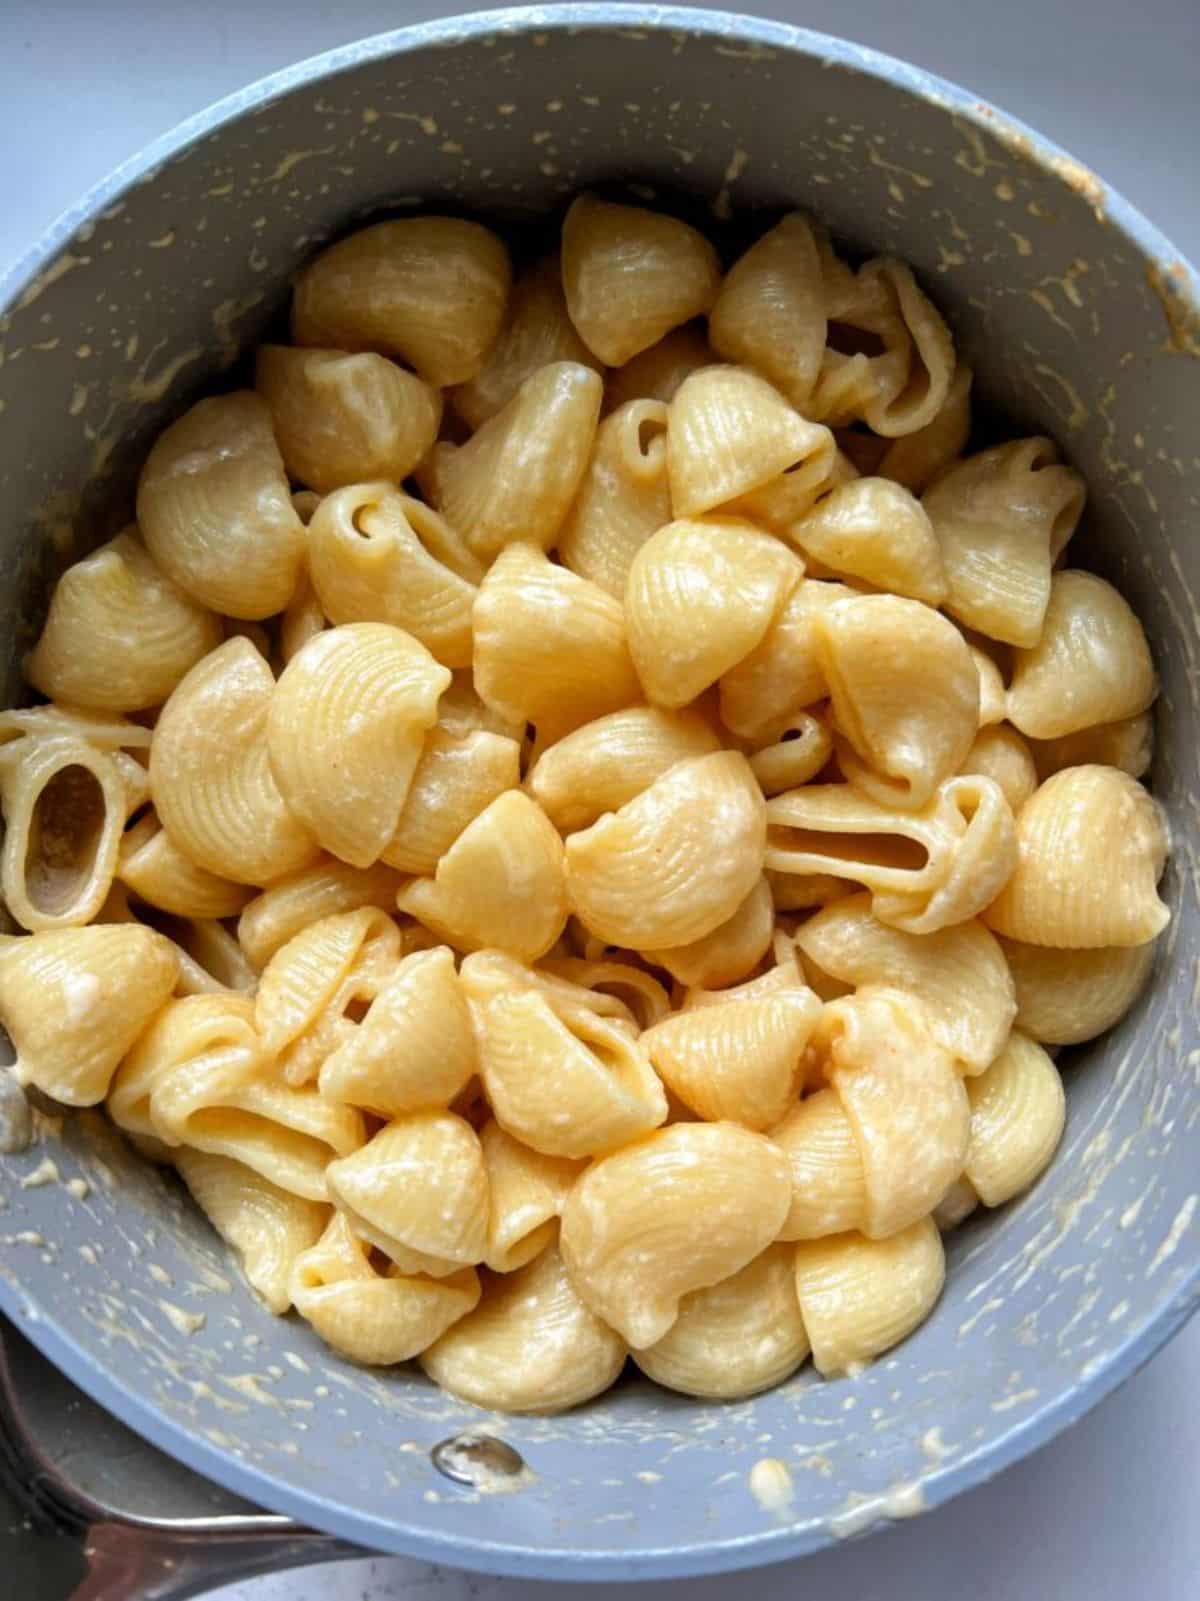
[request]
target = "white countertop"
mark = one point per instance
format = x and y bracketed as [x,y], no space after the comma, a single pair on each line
[1112,1509]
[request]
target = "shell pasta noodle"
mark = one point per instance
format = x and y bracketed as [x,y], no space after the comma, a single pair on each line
[581,811]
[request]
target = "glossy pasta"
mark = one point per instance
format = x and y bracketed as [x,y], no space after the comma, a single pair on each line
[580,812]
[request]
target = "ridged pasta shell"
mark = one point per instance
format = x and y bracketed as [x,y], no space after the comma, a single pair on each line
[646,876]
[623,499]
[1091,848]
[183,1031]
[345,731]
[1066,997]
[959,973]
[1128,745]
[345,419]
[999,753]
[781,675]
[531,1345]
[770,312]
[215,508]
[860,1297]
[501,884]
[119,634]
[302,977]
[676,1212]
[743,1062]
[700,597]
[916,459]
[550,648]
[431,290]
[736,1338]
[455,780]
[159,873]
[1017,1115]
[959,1201]
[211,776]
[526,1191]
[875,530]
[829,1184]
[639,991]
[375,555]
[418,1192]
[657,372]
[797,757]
[268,1228]
[733,949]
[631,275]
[75,999]
[304,897]
[597,768]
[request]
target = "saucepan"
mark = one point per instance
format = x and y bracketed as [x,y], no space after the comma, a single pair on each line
[1079,320]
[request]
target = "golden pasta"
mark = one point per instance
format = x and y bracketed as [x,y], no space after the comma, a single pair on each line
[623,499]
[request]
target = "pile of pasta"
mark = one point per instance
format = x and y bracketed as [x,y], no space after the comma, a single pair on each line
[577,815]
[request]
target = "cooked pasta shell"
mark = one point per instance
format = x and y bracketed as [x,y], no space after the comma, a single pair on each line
[101,729]
[904,692]
[418,1192]
[300,619]
[461,712]
[431,290]
[623,499]
[374,1318]
[293,903]
[743,1062]
[550,648]
[268,1228]
[860,1297]
[735,1338]
[215,509]
[833,829]
[345,419]
[730,433]
[345,731]
[378,556]
[631,275]
[119,634]
[1091,847]
[1066,997]
[160,874]
[302,977]
[210,960]
[526,1191]
[455,780]
[959,1201]
[487,974]
[788,497]
[65,803]
[183,1031]
[1128,745]
[802,892]
[1001,517]
[656,373]
[829,1182]
[1091,665]
[537,1059]
[786,977]
[676,1212]
[1017,1115]
[597,768]
[733,949]
[993,691]
[770,312]
[999,753]
[531,1345]
[646,877]
[876,531]
[700,597]
[211,777]
[905,1101]
[515,478]
[959,973]
[501,884]
[414,1049]
[781,675]
[639,991]
[916,459]
[796,757]
[75,999]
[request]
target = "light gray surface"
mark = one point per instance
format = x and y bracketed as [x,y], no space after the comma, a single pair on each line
[1112,1507]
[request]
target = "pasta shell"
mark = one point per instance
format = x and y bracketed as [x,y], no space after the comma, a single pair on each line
[860,1297]
[268,1228]
[431,290]
[733,949]
[501,884]
[623,498]
[1017,1115]
[646,877]
[211,777]
[104,731]
[876,531]
[916,459]
[829,1182]
[215,509]
[293,903]
[959,973]
[781,675]
[418,1192]
[770,312]
[550,648]
[742,1062]
[999,753]
[700,597]
[1128,745]
[531,1345]
[302,977]
[800,753]
[159,873]
[639,991]
[375,555]
[959,1201]
[526,1191]
[656,373]
[345,730]
[455,780]
[300,620]
[183,1031]
[597,768]
[1066,997]
[1091,665]
[754,1313]
[345,419]
[119,634]
[75,999]
[631,275]
[1091,848]
[973,818]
